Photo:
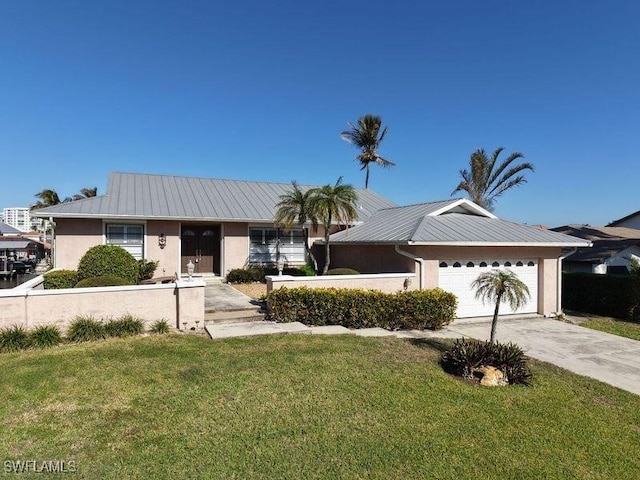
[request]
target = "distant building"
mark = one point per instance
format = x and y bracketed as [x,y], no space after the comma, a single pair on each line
[20,218]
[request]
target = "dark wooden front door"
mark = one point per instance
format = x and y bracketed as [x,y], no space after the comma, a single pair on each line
[201,245]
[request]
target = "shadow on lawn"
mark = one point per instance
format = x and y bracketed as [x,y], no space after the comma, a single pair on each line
[439,344]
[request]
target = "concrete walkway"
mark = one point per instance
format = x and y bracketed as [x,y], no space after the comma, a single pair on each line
[221,297]
[607,358]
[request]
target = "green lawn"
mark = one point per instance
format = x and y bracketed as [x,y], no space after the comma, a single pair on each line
[304,407]
[616,327]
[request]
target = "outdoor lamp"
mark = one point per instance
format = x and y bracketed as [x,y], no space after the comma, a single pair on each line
[162,240]
[190,268]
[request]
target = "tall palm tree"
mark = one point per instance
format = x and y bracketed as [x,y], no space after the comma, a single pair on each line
[48,198]
[333,203]
[366,136]
[485,181]
[86,193]
[295,208]
[500,286]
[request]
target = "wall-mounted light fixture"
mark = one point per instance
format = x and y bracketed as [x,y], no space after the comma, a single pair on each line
[162,240]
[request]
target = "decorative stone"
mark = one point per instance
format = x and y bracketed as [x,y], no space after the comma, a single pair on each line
[491,377]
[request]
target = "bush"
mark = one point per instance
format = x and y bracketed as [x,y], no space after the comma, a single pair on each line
[45,336]
[124,327]
[352,308]
[146,269]
[108,260]
[13,339]
[85,329]
[615,296]
[160,326]
[60,279]
[468,355]
[342,271]
[104,281]
[258,274]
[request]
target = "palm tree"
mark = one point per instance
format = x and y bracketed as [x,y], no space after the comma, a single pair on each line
[485,181]
[333,203]
[367,137]
[500,286]
[295,208]
[86,193]
[48,198]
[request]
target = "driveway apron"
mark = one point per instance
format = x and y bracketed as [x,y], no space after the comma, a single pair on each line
[608,358]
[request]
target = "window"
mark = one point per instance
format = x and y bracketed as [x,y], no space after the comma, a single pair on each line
[483,264]
[263,247]
[443,265]
[470,264]
[495,264]
[456,265]
[128,236]
[519,264]
[507,264]
[531,264]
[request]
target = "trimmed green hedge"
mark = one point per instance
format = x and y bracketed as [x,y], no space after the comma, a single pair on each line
[257,274]
[343,271]
[103,260]
[60,279]
[616,296]
[353,308]
[103,281]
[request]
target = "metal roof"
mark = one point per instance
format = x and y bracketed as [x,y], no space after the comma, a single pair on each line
[13,245]
[448,223]
[6,229]
[134,195]
[607,241]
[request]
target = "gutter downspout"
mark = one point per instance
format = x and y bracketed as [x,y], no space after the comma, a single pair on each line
[559,282]
[417,259]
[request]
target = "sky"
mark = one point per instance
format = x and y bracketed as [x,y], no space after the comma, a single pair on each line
[257,90]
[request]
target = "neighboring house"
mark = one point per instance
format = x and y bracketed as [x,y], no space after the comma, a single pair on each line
[630,221]
[217,224]
[613,247]
[8,230]
[449,243]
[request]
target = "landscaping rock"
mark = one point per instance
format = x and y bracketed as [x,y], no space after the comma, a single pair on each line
[491,377]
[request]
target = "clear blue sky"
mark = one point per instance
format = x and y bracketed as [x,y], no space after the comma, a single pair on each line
[261,90]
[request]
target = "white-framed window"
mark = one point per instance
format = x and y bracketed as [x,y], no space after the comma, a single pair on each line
[263,245]
[129,236]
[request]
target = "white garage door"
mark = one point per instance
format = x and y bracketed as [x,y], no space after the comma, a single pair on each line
[456,277]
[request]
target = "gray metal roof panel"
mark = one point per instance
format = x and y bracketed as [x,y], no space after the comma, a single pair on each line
[6,229]
[10,245]
[164,196]
[448,228]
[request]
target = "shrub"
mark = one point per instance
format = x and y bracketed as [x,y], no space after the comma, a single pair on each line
[342,271]
[160,326]
[85,329]
[467,355]
[60,279]
[354,308]
[108,260]
[45,336]
[13,339]
[104,281]
[124,327]
[258,274]
[146,269]
[615,296]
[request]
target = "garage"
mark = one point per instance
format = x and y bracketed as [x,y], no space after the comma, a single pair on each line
[456,276]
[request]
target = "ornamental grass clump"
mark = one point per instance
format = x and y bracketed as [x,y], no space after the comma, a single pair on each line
[13,339]
[85,329]
[45,336]
[125,326]
[160,326]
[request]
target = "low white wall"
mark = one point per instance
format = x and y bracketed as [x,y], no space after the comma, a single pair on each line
[385,282]
[180,303]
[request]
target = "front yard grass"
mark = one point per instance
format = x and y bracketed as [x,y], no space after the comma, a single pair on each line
[181,406]
[616,327]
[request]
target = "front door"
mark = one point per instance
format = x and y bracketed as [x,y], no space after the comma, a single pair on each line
[201,246]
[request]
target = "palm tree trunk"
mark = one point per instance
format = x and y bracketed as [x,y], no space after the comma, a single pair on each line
[494,322]
[366,178]
[307,250]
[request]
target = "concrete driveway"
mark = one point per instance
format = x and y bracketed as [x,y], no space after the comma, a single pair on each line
[605,357]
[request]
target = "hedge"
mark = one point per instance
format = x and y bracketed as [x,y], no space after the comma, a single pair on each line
[103,281]
[103,260]
[616,296]
[353,308]
[60,279]
[257,273]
